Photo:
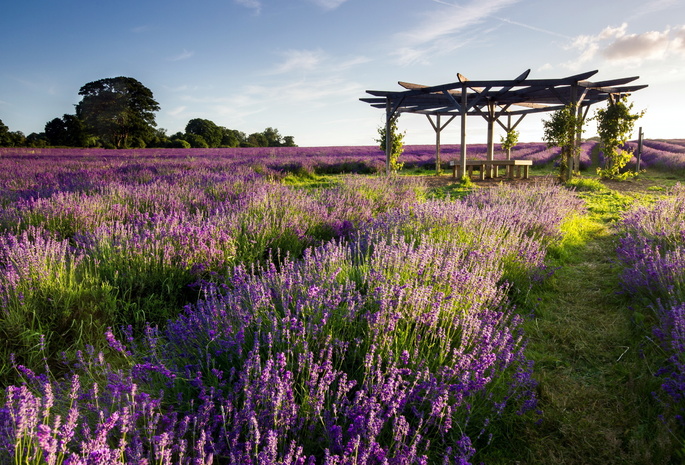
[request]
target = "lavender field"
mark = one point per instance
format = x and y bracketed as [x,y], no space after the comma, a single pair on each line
[188,307]
[265,160]
[652,249]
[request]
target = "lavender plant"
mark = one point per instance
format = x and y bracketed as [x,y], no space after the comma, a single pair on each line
[395,346]
[653,253]
[352,324]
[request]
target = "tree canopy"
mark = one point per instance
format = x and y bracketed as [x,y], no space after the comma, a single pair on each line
[117,110]
[208,130]
[67,131]
[120,113]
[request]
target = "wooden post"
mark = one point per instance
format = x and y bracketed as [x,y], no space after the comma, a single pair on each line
[572,168]
[492,170]
[438,127]
[438,130]
[639,149]
[509,126]
[388,135]
[462,148]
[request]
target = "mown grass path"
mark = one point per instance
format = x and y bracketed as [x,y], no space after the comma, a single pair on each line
[593,363]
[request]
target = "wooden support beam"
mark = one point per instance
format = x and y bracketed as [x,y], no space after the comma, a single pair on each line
[492,116]
[389,113]
[437,127]
[462,148]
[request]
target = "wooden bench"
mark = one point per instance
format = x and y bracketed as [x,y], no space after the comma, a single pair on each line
[490,168]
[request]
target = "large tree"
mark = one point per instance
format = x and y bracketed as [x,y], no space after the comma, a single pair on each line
[210,132]
[232,137]
[117,110]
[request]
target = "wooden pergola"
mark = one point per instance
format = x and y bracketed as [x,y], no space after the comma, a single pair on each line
[493,100]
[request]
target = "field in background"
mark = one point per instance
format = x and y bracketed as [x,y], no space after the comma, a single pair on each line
[176,305]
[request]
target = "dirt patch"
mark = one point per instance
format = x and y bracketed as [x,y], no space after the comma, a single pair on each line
[640,185]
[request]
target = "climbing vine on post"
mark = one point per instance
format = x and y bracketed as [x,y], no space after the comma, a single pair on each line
[396,144]
[615,123]
[561,131]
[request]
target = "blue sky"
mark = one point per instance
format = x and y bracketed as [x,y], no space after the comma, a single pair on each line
[302,65]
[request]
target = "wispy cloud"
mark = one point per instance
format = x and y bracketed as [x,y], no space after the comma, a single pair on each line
[177,111]
[314,61]
[255,5]
[446,21]
[303,93]
[617,45]
[437,29]
[298,60]
[533,28]
[651,7]
[184,55]
[328,4]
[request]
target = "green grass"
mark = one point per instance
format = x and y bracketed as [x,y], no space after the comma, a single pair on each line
[595,367]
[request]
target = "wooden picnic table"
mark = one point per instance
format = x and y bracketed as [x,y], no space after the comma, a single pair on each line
[490,168]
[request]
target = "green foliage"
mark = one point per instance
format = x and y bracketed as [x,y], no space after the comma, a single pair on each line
[396,146]
[11,138]
[466,182]
[270,137]
[117,110]
[4,135]
[196,141]
[510,140]
[178,144]
[614,125]
[560,131]
[67,131]
[585,184]
[210,132]
[231,137]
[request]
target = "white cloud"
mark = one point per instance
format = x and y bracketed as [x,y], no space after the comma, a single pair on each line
[616,45]
[329,4]
[653,6]
[303,93]
[678,43]
[435,33]
[298,60]
[255,5]
[184,55]
[350,63]
[649,45]
[447,21]
[177,111]
[423,54]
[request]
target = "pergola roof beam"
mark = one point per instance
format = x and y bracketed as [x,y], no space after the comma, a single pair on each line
[612,82]
[517,97]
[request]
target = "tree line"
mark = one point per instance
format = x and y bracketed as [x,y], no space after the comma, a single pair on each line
[120,113]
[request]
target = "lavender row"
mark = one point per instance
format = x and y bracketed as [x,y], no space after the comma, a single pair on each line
[398,345]
[39,172]
[665,155]
[74,263]
[652,249]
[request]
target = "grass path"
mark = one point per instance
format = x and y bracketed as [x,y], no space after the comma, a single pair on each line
[593,366]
